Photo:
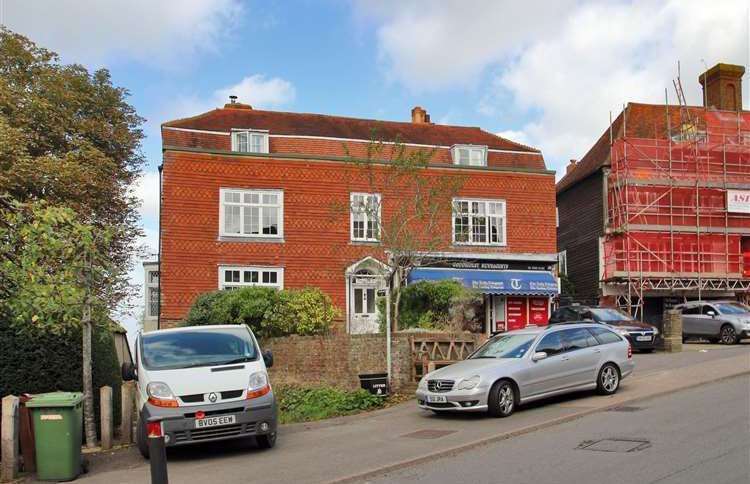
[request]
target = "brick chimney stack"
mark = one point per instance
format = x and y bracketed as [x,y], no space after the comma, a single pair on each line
[419,115]
[722,87]
[571,166]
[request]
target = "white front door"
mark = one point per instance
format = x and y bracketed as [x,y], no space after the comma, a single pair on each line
[498,313]
[363,317]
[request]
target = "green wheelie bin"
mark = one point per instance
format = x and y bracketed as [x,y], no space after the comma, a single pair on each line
[58,430]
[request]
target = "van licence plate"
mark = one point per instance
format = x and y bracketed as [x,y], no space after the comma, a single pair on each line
[436,399]
[214,421]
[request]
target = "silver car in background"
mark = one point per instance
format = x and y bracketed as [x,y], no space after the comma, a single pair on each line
[718,321]
[521,366]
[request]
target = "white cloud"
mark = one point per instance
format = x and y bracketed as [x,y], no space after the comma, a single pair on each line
[256,90]
[163,32]
[147,191]
[564,65]
[431,45]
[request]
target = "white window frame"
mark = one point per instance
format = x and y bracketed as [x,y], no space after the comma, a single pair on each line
[250,132]
[279,271]
[503,216]
[480,160]
[378,199]
[562,262]
[243,206]
[147,287]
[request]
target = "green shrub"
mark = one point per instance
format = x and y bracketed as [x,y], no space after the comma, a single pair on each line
[268,312]
[439,305]
[40,362]
[303,404]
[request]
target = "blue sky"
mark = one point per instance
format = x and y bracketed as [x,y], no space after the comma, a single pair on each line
[543,73]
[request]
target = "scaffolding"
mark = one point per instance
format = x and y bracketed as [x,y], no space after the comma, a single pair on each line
[669,230]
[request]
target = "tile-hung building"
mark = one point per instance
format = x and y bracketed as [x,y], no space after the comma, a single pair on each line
[247,199]
[658,211]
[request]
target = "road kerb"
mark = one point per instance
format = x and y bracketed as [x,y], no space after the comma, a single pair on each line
[524,430]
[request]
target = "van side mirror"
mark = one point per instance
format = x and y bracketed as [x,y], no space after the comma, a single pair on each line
[129,372]
[268,358]
[539,355]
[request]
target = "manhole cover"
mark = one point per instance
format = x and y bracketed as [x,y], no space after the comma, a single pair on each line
[615,445]
[625,408]
[428,434]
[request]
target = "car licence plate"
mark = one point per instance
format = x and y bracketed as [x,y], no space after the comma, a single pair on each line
[214,421]
[643,338]
[436,399]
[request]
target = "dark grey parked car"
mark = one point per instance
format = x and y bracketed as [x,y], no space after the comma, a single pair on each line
[718,321]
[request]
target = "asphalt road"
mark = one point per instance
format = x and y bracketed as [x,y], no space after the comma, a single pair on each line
[700,435]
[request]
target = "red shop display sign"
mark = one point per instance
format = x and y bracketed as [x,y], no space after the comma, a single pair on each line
[516,313]
[539,311]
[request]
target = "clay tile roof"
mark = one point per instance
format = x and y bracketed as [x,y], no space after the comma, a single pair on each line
[303,124]
[643,121]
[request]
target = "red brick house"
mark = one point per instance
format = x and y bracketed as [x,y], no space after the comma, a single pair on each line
[247,195]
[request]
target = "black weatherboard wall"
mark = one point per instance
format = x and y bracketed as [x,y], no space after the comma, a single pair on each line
[581,223]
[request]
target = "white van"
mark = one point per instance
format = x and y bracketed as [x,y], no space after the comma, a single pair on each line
[200,384]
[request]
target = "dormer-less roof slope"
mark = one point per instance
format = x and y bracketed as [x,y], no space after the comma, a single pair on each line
[643,121]
[304,124]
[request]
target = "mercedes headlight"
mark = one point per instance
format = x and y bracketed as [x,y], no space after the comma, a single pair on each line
[468,383]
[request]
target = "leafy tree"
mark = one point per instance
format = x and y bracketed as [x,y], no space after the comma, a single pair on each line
[70,138]
[411,213]
[56,277]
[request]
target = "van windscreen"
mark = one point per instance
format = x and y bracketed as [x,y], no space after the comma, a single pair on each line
[188,349]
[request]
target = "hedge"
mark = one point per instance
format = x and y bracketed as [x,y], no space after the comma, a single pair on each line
[42,362]
[268,312]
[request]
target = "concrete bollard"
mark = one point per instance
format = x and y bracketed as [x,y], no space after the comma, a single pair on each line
[9,439]
[158,459]
[126,404]
[105,409]
[672,331]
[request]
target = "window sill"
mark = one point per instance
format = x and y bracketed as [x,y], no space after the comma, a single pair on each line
[364,242]
[468,244]
[246,239]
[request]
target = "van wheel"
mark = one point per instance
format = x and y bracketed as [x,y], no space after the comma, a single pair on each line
[502,399]
[608,380]
[140,440]
[266,441]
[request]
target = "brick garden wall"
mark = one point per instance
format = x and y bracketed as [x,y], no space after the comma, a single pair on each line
[339,359]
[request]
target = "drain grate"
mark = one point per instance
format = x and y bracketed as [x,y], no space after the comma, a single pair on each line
[626,408]
[615,445]
[428,434]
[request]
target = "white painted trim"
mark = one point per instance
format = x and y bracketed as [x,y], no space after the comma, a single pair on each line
[188,130]
[279,192]
[504,243]
[260,269]
[356,140]
[456,147]
[490,255]
[250,132]
[367,217]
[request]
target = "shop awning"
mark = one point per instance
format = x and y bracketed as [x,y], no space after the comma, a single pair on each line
[521,283]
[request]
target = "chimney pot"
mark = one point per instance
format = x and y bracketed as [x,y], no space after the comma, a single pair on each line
[571,166]
[232,99]
[722,87]
[419,115]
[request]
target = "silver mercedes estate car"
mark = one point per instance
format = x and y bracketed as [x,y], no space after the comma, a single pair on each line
[521,366]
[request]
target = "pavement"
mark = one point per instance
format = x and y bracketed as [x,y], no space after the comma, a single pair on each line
[356,448]
[697,435]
